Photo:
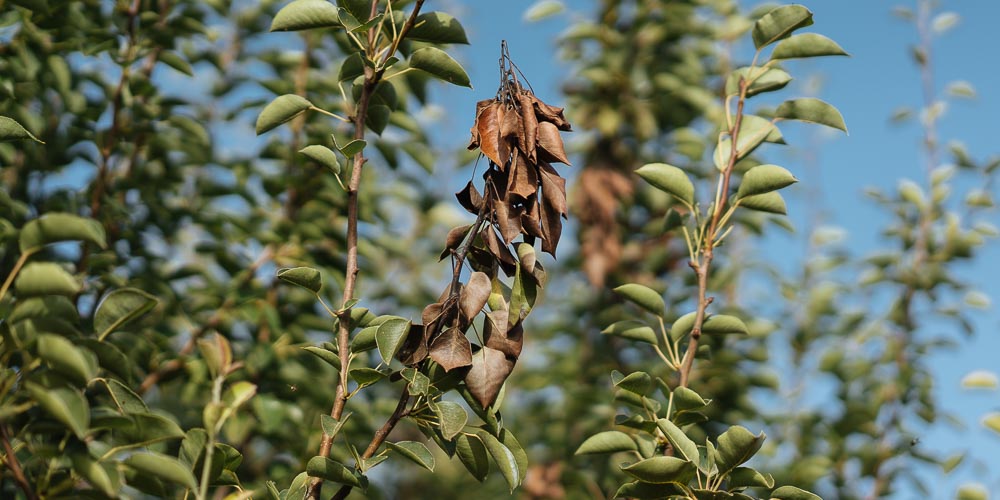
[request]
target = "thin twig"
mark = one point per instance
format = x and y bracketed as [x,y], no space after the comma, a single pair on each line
[371,81]
[15,466]
[380,436]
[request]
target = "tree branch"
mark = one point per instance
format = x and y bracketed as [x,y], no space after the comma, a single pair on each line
[380,436]
[15,466]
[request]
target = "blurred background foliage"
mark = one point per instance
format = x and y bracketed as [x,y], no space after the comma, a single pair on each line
[146,109]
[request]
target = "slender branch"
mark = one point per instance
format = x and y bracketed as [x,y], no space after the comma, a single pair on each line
[371,81]
[703,265]
[15,466]
[380,436]
[13,272]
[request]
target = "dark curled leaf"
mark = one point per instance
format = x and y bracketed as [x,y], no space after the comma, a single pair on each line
[495,247]
[553,207]
[469,198]
[523,179]
[480,106]
[551,114]
[530,124]
[454,239]
[510,342]
[474,295]
[550,144]
[531,222]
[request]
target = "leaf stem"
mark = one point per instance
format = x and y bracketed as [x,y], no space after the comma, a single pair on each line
[13,272]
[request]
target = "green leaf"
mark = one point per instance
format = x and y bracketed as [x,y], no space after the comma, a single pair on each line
[679,440]
[56,227]
[45,278]
[282,108]
[378,117]
[352,67]
[543,9]
[523,294]
[736,446]
[643,296]
[364,340]
[745,477]
[354,147]
[322,155]
[437,27]
[148,428]
[331,471]
[102,476]
[780,23]
[685,399]
[682,326]
[764,179]
[502,457]
[607,442]
[440,65]
[792,493]
[662,470]
[121,307]
[238,394]
[49,306]
[992,421]
[761,80]
[365,376]
[64,357]
[807,45]
[162,466]
[332,426]
[669,179]
[305,277]
[125,399]
[632,330]
[306,14]
[641,490]
[722,324]
[390,336]
[520,456]
[637,382]
[809,109]
[451,417]
[472,453]
[414,452]
[980,379]
[771,202]
[10,130]
[175,61]
[66,405]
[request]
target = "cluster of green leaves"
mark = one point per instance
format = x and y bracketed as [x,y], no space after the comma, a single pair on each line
[670,463]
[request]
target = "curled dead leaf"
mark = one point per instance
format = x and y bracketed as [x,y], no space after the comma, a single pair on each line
[550,144]
[475,294]
[490,368]
[451,350]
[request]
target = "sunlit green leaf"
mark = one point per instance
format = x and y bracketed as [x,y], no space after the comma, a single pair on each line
[771,202]
[452,418]
[102,476]
[632,330]
[305,277]
[543,9]
[282,108]
[668,179]
[736,446]
[764,178]
[440,65]
[56,227]
[10,130]
[661,470]
[780,23]
[792,493]
[121,307]
[437,27]
[679,440]
[806,45]
[45,278]
[722,324]
[414,452]
[331,471]
[643,296]
[502,457]
[306,14]
[761,80]
[992,422]
[322,155]
[390,336]
[64,357]
[980,379]
[162,466]
[812,110]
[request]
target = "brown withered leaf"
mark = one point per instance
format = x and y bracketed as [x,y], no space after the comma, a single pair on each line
[509,223]
[507,140]
[490,368]
[414,348]
[595,205]
[523,179]
[551,114]
[530,124]
[495,334]
[470,199]
[454,239]
[451,350]
[510,126]
[553,207]
[550,144]
[474,295]
[474,141]
[498,249]
[530,221]
[488,126]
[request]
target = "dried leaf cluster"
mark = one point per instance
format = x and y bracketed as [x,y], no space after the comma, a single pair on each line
[524,195]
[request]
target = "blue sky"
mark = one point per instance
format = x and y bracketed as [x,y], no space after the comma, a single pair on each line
[868,88]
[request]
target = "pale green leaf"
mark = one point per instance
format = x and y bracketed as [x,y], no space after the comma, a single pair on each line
[331,471]
[437,27]
[807,45]
[10,130]
[761,80]
[66,405]
[62,356]
[721,324]
[451,417]
[163,467]
[793,493]
[305,277]
[992,422]
[543,9]
[414,452]
[632,330]
[643,296]
[503,457]
[679,440]
[390,336]
[662,470]
[812,110]
[440,65]
[56,227]
[669,179]
[607,442]
[980,379]
[45,278]
[763,179]
[780,23]
[736,446]
[282,108]
[322,155]
[306,14]
[121,307]
[768,202]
